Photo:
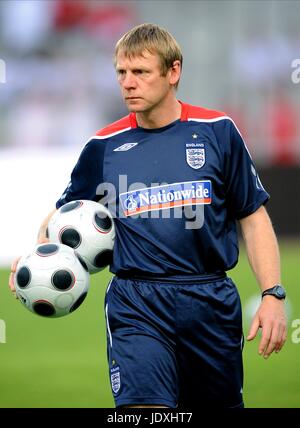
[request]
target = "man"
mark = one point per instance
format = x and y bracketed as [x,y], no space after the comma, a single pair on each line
[174,324]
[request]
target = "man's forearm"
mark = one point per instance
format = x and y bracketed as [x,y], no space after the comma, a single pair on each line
[262,248]
[42,233]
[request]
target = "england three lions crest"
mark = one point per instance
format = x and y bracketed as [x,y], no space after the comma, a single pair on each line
[195,155]
[115,379]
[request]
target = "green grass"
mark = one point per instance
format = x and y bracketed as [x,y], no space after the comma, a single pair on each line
[274,382]
[62,362]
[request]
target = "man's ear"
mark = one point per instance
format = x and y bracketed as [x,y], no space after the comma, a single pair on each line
[175,72]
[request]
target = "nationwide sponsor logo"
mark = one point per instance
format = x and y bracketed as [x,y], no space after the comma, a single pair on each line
[195,155]
[125,147]
[166,196]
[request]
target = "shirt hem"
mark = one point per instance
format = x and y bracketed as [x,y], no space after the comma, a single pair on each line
[131,401]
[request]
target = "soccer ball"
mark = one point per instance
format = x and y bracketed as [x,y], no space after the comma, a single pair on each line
[87,227]
[51,280]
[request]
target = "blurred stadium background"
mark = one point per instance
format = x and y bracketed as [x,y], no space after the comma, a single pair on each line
[57,87]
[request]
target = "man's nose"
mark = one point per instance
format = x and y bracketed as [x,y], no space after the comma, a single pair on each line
[129,81]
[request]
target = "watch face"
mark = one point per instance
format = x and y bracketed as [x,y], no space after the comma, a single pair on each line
[280,291]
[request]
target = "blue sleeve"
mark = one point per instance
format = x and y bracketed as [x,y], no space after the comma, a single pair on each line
[244,190]
[86,175]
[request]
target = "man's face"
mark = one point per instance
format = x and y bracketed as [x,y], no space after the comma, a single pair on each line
[142,84]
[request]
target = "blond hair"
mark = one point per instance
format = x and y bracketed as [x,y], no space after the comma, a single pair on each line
[154,39]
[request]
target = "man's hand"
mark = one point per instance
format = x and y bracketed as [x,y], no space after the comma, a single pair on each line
[271,317]
[12,276]
[14,265]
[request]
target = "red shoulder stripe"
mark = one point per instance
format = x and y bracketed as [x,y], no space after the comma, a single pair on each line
[121,125]
[194,112]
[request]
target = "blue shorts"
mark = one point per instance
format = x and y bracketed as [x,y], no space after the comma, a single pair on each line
[177,344]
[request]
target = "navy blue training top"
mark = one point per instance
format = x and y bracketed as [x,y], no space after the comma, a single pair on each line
[175,192]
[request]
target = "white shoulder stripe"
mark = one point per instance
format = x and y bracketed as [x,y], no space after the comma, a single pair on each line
[217,119]
[102,137]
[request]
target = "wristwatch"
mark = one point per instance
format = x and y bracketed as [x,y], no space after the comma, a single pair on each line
[277,291]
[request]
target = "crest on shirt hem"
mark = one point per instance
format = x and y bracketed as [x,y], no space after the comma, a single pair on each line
[195,155]
[115,379]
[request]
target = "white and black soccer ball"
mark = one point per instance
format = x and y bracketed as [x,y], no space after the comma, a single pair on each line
[51,280]
[88,228]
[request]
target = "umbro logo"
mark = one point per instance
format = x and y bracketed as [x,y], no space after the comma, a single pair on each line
[125,147]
